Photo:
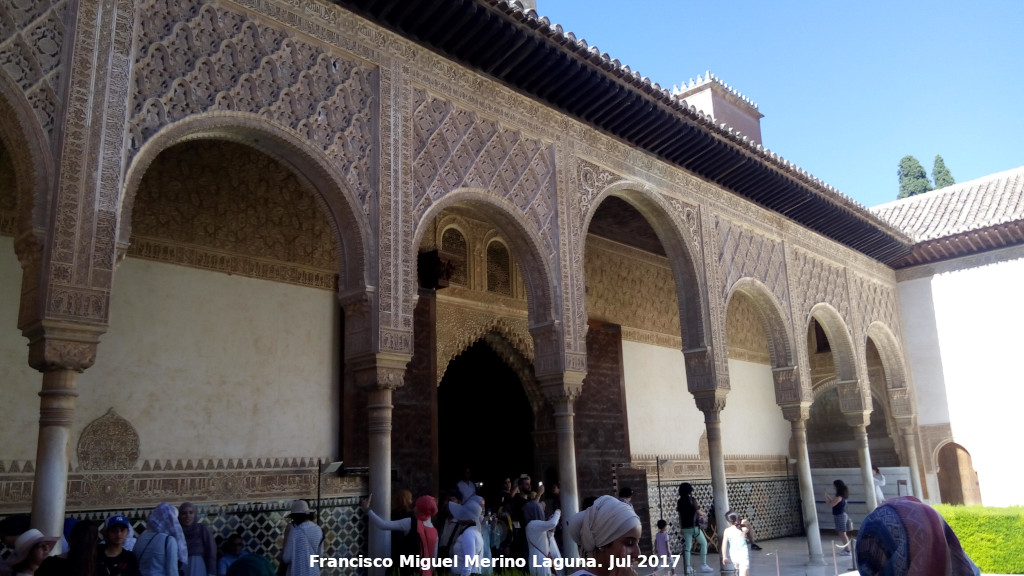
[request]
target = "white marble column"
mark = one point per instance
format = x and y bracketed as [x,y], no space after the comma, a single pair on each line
[864,459]
[564,430]
[379,415]
[716,457]
[562,390]
[810,512]
[56,409]
[910,445]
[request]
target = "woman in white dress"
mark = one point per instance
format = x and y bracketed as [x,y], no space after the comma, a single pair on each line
[540,536]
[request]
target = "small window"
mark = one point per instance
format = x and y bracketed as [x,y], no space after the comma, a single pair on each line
[499,269]
[453,245]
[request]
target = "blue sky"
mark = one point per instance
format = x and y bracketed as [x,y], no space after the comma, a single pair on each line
[847,88]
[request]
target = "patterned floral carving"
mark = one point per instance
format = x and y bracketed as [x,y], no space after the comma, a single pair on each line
[744,332]
[255,220]
[457,148]
[196,57]
[873,301]
[33,37]
[459,327]
[630,287]
[108,443]
[816,280]
[742,253]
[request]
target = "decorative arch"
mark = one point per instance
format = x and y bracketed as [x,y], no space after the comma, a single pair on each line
[499,262]
[511,332]
[838,334]
[677,227]
[776,329]
[891,354]
[25,141]
[308,163]
[543,296]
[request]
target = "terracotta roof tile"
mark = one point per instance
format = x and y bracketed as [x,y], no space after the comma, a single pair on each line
[988,201]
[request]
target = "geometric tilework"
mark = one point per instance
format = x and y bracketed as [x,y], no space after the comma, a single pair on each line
[261,525]
[772,504]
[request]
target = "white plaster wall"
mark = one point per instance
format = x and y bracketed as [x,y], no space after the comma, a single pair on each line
[752,423]
[208,365]
[663,419]
[19,384]
[979,316]
[924,353]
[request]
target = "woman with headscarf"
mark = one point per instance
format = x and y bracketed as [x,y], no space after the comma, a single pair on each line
[540,537]
[202,550]
[162,547]
[607,529]
[470,541]
[424,509]
[905,537]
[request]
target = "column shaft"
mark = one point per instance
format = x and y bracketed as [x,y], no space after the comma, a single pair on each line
[379,409]
[49,491]
[810,512]
[564,430]
[910,444]
[717,461]
[864,459]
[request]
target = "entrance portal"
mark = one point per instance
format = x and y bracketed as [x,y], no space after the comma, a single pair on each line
[484,421]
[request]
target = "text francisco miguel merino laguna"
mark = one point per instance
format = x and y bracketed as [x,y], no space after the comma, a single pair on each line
[425,562]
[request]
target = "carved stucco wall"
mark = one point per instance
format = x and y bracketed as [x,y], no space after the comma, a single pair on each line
[634,289]
[8,197]
[255,219]
[316,70]
[31,39]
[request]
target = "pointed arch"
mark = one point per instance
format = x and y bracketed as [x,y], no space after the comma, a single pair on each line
[309,164]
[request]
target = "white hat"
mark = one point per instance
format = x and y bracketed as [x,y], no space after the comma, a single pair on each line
[24,544]
[300,507]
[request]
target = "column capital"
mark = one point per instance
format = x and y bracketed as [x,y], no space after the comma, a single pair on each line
[57,345]
[859,419]
[796,412]
[563,387]
[710,402]
[383,371]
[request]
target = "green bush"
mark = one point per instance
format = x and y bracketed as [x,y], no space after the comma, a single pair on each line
[992,537]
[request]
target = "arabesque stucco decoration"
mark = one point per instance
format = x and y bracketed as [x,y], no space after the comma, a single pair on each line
[32,34]
[255,220]
[630,287]
[196,57]
[460,326]
[108,443]
[457,148]
[745,333]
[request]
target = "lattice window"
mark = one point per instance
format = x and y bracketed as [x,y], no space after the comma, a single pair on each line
[456,251]
[499,269]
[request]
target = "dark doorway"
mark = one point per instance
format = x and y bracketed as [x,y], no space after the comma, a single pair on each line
[484,421]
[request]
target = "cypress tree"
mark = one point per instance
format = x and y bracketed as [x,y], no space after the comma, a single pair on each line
[913,178]
[940,174]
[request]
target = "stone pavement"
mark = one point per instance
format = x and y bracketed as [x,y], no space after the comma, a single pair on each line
[790,557]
